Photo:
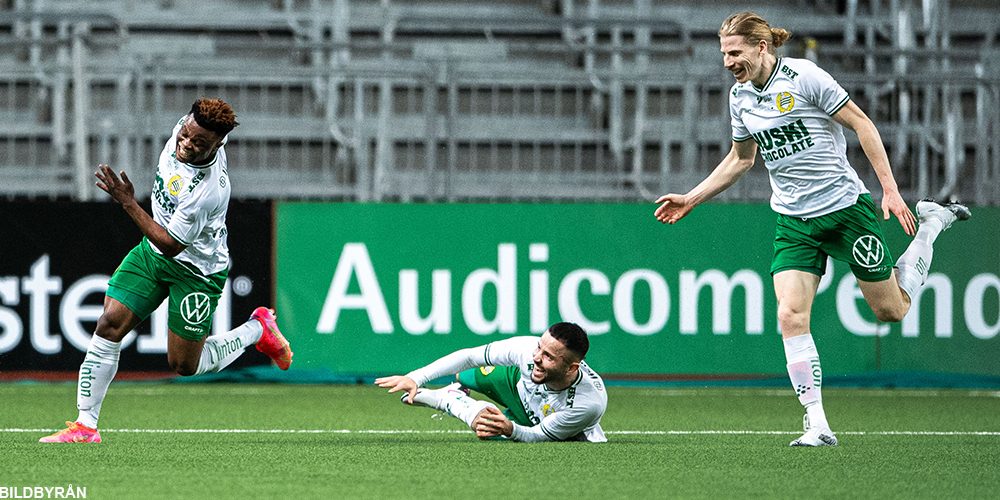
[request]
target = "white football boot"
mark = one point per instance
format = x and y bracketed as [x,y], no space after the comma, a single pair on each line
[814,436]
[947,212]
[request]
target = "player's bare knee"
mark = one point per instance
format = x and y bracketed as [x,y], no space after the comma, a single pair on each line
[185,371]
[110,329]
[889,314]
[182,368]
[791,320]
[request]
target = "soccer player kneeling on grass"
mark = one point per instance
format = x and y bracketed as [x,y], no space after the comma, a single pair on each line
[549,391]
[183,258]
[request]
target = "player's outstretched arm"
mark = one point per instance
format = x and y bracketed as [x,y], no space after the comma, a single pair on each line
[558,426]
[853,118]
[398,383]
[674,207]
[122,191]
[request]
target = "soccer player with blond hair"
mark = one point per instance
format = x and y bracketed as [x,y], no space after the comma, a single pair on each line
[794,113]
[183,258]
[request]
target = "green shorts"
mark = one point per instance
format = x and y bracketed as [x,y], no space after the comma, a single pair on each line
[498,383]
[852,235]
[145,278]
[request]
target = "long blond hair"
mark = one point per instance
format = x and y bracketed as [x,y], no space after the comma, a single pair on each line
[753,29]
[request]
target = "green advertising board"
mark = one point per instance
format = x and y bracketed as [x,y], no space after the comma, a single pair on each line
[368,289]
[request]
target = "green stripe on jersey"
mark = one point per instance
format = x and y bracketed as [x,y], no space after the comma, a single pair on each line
[774,72]
[178,238]
[840,105]
[547,433]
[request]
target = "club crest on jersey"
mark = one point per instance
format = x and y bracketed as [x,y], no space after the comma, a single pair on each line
[195,307]
[486,370]
[785,101]
[868,251]
[175,185]
[546,410]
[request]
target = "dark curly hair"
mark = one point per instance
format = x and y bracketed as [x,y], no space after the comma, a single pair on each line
[571,336]
[215,115]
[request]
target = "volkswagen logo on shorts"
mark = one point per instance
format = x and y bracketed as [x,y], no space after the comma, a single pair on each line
[195,307]
[868,251]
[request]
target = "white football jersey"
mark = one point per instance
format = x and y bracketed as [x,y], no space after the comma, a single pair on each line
[572,414]
[791,120]
[191,202]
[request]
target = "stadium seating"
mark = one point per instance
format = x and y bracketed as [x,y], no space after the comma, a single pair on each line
[472,100]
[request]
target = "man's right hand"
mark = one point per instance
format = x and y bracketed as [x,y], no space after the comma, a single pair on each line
[398,383]
[120,189]
[491,422]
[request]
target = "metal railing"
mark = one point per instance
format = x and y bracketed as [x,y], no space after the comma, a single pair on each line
[575,105]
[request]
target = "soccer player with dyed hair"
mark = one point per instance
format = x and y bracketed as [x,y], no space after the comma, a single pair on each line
[549,392]
[183,258]
[794,112]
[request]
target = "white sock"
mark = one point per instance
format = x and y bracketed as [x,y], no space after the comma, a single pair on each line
[452,402]
[915,263]
[220,351]
[929,229]
[807,377]
[96,373]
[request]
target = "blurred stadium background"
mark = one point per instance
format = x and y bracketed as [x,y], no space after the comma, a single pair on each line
[413,177]
[444,101]
[520,141]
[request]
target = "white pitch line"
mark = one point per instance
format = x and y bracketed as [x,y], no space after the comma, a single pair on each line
[784,393]
[264,431]
[157,391]
[848,433]
[459,431]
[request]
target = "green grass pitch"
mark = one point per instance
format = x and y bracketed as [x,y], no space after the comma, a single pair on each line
[327,441]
